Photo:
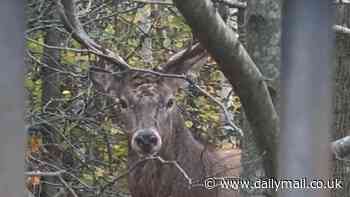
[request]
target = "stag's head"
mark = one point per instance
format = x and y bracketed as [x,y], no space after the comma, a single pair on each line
[146,102]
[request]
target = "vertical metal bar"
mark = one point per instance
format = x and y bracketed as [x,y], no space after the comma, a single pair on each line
[307,43]
[12,136]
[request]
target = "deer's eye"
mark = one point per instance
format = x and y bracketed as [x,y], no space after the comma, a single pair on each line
[170,103]
[123,104]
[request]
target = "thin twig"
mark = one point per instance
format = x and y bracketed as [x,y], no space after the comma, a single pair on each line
[341,29]
[143,160]
[233,4]
[39,173]
[54,69]
[154,2]
[56,174]
[57,47]
[59,169]
[131,168]
[174,163]
[68,186]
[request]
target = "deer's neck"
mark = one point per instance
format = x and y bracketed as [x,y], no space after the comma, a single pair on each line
[178,140]
[181,147]
[154,178]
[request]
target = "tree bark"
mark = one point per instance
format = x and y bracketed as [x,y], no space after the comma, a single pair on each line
[50,89]
[341,147]
[262,23]
[227,14]
[263,40]
[341,98]
[240,70]
[51,78]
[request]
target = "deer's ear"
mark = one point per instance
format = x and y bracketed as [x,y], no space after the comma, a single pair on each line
[183,61]
[103,79]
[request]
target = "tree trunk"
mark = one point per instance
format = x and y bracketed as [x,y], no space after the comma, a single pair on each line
[50,90]
[341,105]
[51,78]
[226,93]
[263,26]
[240,70]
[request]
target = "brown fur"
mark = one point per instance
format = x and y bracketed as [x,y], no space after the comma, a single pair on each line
[155,179]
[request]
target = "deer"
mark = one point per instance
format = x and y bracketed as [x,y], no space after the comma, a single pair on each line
[154,124]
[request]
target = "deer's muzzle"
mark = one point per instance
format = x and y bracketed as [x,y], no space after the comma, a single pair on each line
[146,141]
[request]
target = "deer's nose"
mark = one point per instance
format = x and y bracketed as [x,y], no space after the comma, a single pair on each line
[146,141]
[146,138]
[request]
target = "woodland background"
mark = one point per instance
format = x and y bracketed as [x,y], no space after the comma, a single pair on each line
[71,139]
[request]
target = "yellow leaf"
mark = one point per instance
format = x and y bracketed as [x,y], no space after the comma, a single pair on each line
[188,124]
[115,131]
[179,44]
[99,172]
[226,146]
[66,92]
[69,57]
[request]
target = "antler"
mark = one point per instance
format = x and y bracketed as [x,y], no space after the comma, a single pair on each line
[68,10]
[179,63]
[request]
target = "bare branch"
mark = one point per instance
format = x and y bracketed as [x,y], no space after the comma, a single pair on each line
[57,47]
[154,2]
[60,170]
[233,4]
[52,68]
[39,173]
[122,175]
[55,174]
[342,1]
[67,10]
[341,29]
[67,186]
[143,160]
[341,147]
[177,166]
